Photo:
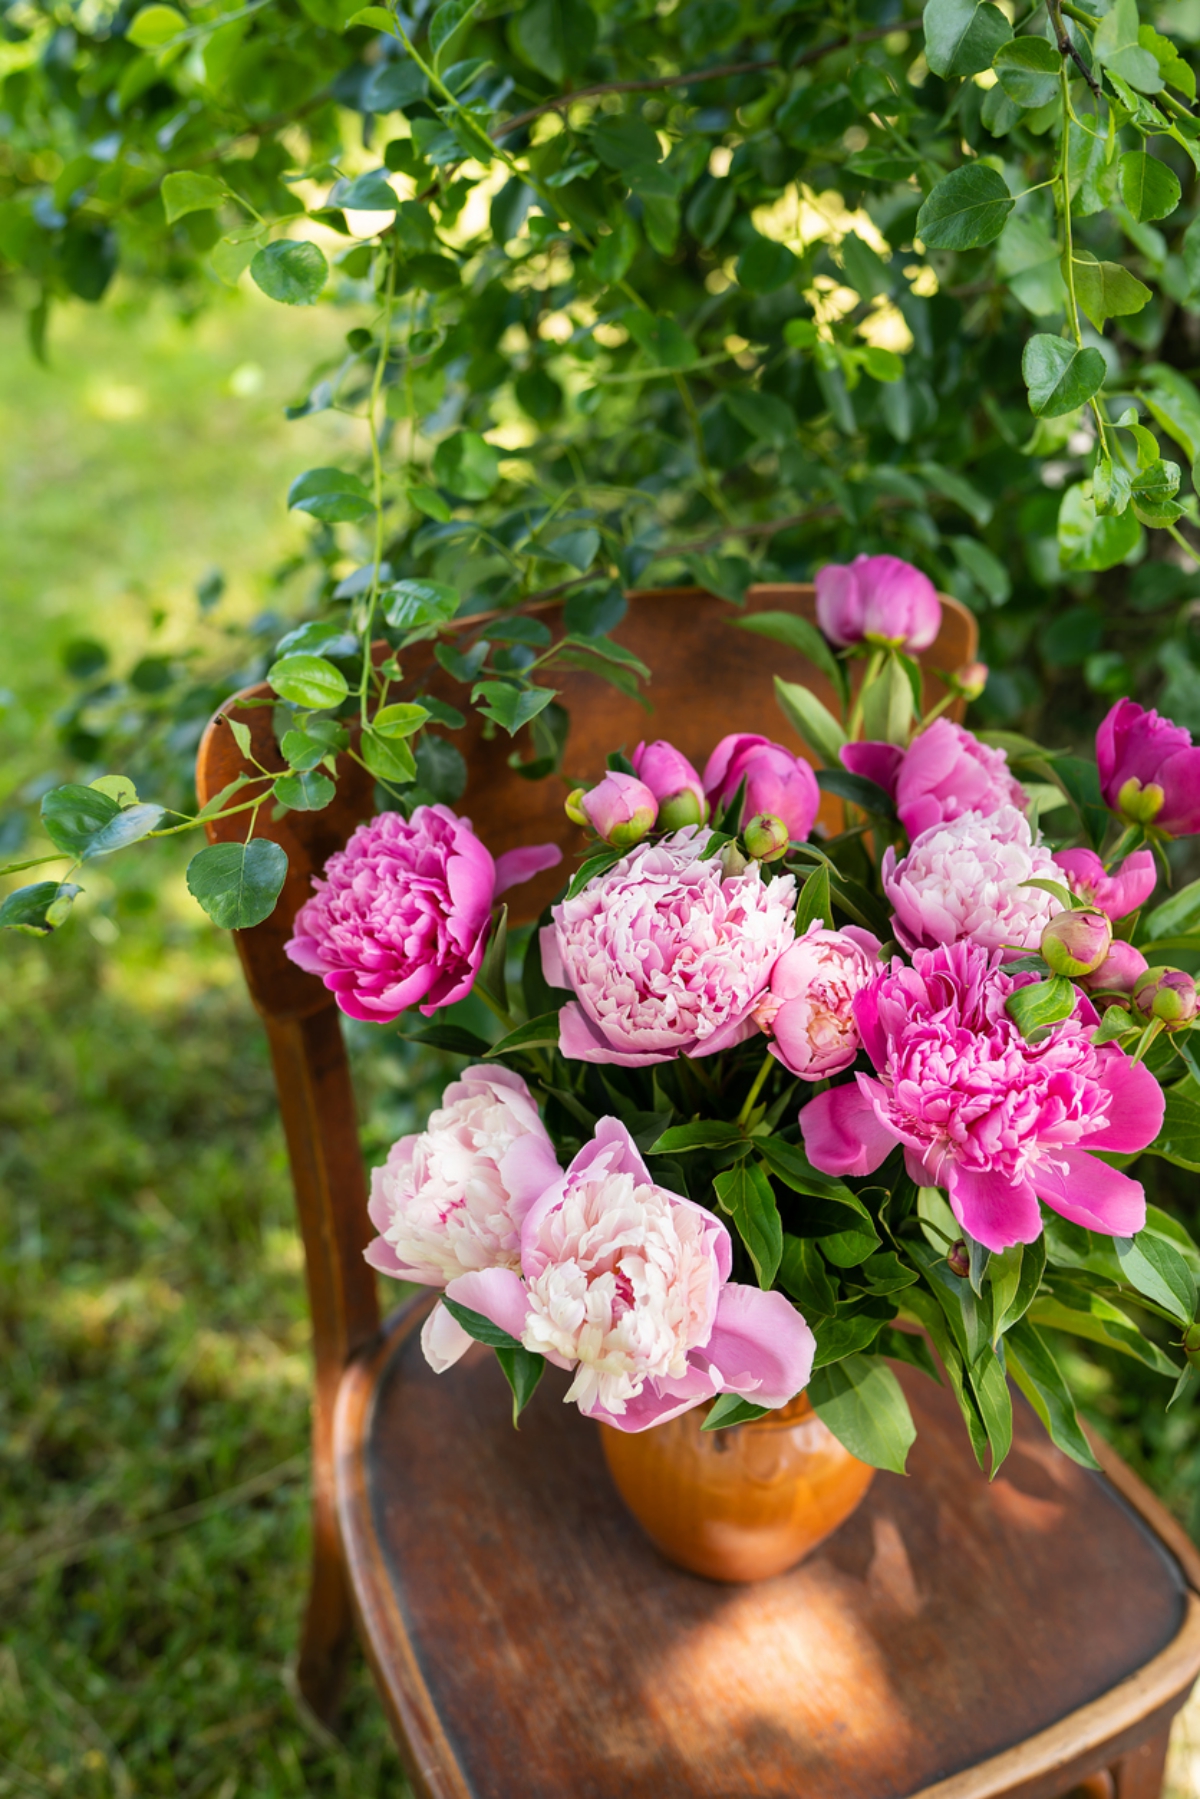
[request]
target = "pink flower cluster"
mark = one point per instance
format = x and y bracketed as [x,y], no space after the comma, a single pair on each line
[600,1270]
[997,1121]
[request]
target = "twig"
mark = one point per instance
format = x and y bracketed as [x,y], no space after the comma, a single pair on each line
[1066,46]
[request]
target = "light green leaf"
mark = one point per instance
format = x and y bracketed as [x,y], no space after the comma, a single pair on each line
[1116,46]
[467,465]
[388,758]
[863,1404]
[155,26]
[1149,188]
[333,495]
[1105,290]
[815,723]
[183,192]
[1088,541]
[1174,403]
[413,605]
[308,681]
[400,720]
[291,272]
[306,790]
[1037,1374]
[1028,70]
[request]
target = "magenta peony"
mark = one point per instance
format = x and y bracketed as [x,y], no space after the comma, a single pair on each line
[776,781]
[452,1198]
[1119,971]
[1117,894]
[1149,771]
[621,809]
[627,1284]
[880,600]
[665,955]
[401,915]
[878,762]
[674,783]
[808,1009]
[996,1121]
[968,879]
[946,772]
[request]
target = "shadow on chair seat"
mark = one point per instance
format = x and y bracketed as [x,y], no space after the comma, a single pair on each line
[534,1644]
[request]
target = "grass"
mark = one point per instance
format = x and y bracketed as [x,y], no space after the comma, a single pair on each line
[154,1414]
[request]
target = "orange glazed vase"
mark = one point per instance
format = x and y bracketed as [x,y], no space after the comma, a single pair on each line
[738,1504]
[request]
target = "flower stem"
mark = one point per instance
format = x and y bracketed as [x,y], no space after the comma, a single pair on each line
[768,1063]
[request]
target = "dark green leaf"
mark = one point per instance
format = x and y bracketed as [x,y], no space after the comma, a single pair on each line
[705,1133]
[330,494]
[479,1327]
[292,273]
[815,901]
[238,884]
[744,1192]
[1059,376]
[1028,70]
[729,1409]
[796,632]
[511,706]
[538,1033]
[38,909]
[1149,188]
[966,210]
[858,790]
[522,1370]
[467,465]
[388,758]
[450,1037]
[962,36]
[1036,1373]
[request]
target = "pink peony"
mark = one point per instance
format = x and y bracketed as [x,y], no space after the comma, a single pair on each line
[1149,771]
[998,1122]
[401,914]
[878,599]
[665,955]
[878,762]
[968,879]
[452,1198]
[808,1008]
[1117,894]
[628,1285]
[1119,971]
[776,781]
[673,782]
[946,772]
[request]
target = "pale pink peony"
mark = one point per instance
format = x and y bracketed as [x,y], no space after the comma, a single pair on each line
[996,1121]
[401,915]
[967,879]
[452,1198]
[665,955]
[947,772]
[627,1284]
[1119,893]
[808,1008]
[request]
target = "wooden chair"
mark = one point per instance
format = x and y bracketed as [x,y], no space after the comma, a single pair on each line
[955,1639]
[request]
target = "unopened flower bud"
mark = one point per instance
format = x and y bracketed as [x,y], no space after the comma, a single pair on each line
[621,809]
[674,783]
[766,838]
[680,810]
[1167,994]
[958,1259]
[1119,971]
[1074,943]
[732,861]
[1191,1344]
[573,807]
[971,679]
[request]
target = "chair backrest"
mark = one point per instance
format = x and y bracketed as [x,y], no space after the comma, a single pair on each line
[708,678]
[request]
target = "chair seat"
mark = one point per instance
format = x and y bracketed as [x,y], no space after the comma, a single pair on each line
[532,1644]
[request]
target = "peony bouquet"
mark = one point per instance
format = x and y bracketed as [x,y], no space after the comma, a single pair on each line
[780,1106]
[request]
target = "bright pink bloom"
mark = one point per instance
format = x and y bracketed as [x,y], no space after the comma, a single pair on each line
[878,762]
[945,772]
[627,1284]
[808,1008]
[665,955]
[878,599]
[998,1122]
[969,879]
[674,783]
[776,781]
[1149,771]
[1117,894]
[621,809]
[1119,971]
[453,1197]
[401,914]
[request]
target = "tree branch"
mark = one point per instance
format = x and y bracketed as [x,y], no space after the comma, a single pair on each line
[1066,45]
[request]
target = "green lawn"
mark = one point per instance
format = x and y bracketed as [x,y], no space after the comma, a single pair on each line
[153,1419]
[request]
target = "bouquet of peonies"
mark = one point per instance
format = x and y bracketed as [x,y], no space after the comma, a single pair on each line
[778,1105]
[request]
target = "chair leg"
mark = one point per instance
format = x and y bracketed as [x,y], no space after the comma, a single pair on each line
[328,1634]
[1139,1774]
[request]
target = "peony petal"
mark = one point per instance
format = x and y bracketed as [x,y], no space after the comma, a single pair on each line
[515,866]
[443,1339]
[878,762]
[1138,1104]
[760,1345]
[737,1030]
[842,1134]
[380,1254]
[659,1401]
[582,1041]
[497,1293]
[994,1210]
[552,962]
[528,1168]
[1089,1192]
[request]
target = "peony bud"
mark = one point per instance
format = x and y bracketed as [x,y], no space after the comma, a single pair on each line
[1191,1345]
[732,861]
[1119,971]
[766,838]
[1075,943]
[971,680]
[673,782]
[573,807]
[1167,994]
[621,809]
[958,1259]
[878,600]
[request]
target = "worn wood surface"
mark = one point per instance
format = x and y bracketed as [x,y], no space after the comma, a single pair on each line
[1001,1639]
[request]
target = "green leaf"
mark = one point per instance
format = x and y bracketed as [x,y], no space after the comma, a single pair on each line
[705,1133]
[1043,1003]
[1178,1140]
[238,884]
[1177,915]
[291,272]
[664,342]
[511,706]
[491,976]
[1059,376]
[73,815]
[388,758]
[333,495]
[155,26]
[308,681]
[1087,540]
[1149,188]
[965,210]
[772,421]
[962,37]
[788,1162]
[307,791]
[744,1192]
[479,1327]
[38,909]
[815,723]
[887,704]
[184,191]
[467,465]
[995,1406]
[1158,1272]
[537,1033]
[848,1333]
[907,1346]
[624,139]
[400,720]
[372,192]
[863,1404]
[1028,70]
[729,1409]
[787,628]
[1174,403]
[803,1274]
[614,253]
[451,1037]
[522,1369]
[1015,1276]
[764,266]
[815,901]
[1082,1313]
[858,790]
[412,605]
[1037,1374]
[848,1248]
[429,501]
[1105,290]
[1116,46]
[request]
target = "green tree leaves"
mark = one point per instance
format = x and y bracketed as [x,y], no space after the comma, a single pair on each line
[293,273]
[1028,70]
[330,494]
[238,883]
[1059,376]
[963,36]
[1149,188]
[965,210]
